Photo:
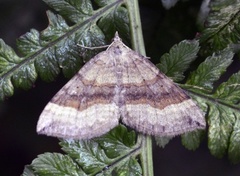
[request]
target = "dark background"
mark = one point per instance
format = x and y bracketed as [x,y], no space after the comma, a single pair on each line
[19,114]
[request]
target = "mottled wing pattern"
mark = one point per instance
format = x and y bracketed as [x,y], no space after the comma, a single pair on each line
[150,102]
[84,108]
[119,83]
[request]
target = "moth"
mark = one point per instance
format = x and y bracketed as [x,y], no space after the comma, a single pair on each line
[119,85]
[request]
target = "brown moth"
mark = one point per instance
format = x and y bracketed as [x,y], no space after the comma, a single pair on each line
[119,84]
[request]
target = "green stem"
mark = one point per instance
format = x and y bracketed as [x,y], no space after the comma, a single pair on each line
[138,45]
[135,26]
[146,155]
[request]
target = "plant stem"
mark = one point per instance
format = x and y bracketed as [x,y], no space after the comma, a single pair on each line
[146,155]
[135,26]
[138,45]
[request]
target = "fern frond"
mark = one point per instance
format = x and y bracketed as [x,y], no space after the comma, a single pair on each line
[56,164]
[210,70]
[48,52]
[220,105]
[113,153]
[177,61]
[222,25]
[75,11]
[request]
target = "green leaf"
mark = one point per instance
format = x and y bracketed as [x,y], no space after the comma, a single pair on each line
[177,61]
[56,28]
[117,142]
[56,48]
[229,91]
[102,3]
[192,139]
[88,154]
[221,121]
[210,70]
[6,87]
[69,59]
[222,26]
[93,157]
[56,164]
[234,146]
[28,171]
[75,11]
[220,105]
[8,58]
[93,37]
[162,141]
[222,110]
[29,43]
[108,151]
[131,168]
[47,65]
[25,76]
[116,20]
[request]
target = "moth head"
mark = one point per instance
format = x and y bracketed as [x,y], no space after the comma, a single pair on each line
[116,37]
